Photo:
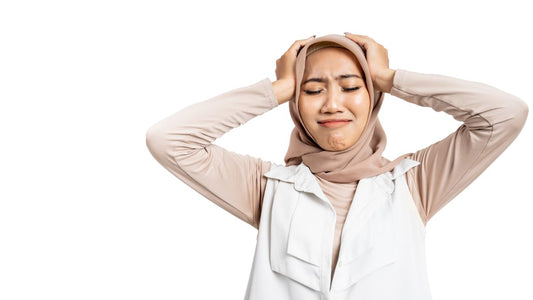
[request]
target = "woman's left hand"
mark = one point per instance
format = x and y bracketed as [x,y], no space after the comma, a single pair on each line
[377,58]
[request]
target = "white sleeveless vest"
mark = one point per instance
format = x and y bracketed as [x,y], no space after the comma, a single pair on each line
[382,250]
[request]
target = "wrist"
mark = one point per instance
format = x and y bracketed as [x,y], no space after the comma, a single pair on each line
[283,90]
[385,80]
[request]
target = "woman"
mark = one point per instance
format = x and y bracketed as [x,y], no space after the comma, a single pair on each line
[338,221]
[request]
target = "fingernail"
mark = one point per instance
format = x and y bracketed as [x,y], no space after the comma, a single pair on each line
[346,32]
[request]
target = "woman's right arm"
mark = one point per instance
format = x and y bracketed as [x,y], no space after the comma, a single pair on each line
[183,144]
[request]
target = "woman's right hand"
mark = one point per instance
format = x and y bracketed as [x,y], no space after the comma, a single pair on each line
[285,85]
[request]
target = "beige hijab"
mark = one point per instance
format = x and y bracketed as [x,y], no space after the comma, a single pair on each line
[361,160]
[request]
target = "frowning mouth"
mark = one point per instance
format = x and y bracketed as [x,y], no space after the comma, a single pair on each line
[333,123]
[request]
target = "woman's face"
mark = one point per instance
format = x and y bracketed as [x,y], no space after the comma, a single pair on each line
[333,88]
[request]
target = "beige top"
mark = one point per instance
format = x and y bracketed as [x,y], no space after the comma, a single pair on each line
[183,144]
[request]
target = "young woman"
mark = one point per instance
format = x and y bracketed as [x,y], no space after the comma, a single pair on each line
[338,220]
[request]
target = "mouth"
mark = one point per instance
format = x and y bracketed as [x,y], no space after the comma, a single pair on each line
[333,123]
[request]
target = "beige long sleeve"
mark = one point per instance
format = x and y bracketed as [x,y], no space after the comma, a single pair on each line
[183,144]
[491,118]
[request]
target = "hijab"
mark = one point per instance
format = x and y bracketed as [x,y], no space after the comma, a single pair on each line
[364,158]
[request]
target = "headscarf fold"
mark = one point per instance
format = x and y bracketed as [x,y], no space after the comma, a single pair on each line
[361,160]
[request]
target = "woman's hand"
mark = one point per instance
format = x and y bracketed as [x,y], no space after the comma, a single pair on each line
[377,58]
[285,85]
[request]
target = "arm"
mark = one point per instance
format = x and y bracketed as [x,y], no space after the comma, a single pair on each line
[491,118]
[183,144]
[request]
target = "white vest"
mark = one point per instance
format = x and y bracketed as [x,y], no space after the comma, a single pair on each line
[382,250]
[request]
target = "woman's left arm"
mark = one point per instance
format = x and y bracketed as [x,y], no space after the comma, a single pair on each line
[491,118]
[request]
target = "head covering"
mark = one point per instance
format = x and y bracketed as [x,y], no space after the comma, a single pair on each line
[361,160]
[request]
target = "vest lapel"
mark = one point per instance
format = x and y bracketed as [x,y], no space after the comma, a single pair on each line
[302,220]
[368,240]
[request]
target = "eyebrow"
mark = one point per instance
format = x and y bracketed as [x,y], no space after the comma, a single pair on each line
[338,77]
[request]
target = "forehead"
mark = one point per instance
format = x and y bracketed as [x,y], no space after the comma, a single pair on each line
[331,60]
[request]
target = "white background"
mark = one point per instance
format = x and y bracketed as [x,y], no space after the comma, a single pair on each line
[87,213]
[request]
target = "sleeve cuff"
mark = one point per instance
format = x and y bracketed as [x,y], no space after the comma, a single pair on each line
[269,92]
[397,82]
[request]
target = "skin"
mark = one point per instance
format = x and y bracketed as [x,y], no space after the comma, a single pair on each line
[285,85]
[334,98]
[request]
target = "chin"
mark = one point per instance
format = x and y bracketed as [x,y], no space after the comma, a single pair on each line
[339,147]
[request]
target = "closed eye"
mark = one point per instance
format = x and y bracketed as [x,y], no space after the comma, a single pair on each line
[311,92]
[316,92]
[353,89]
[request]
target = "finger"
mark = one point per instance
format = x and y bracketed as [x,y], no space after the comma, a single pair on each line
[363,40]
[300,43]
[359,36]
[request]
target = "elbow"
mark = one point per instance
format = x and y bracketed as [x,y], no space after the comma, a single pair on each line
[155,141]
[519,112]
[524,111]
[515,111]
[168,145]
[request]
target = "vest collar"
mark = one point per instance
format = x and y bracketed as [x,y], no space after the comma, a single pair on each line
[300,175]
[403,167]
[304,180]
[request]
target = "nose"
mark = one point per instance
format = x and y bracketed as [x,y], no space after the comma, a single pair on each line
[333,102]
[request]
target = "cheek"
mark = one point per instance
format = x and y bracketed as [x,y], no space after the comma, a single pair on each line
[361,106]
[307,111]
